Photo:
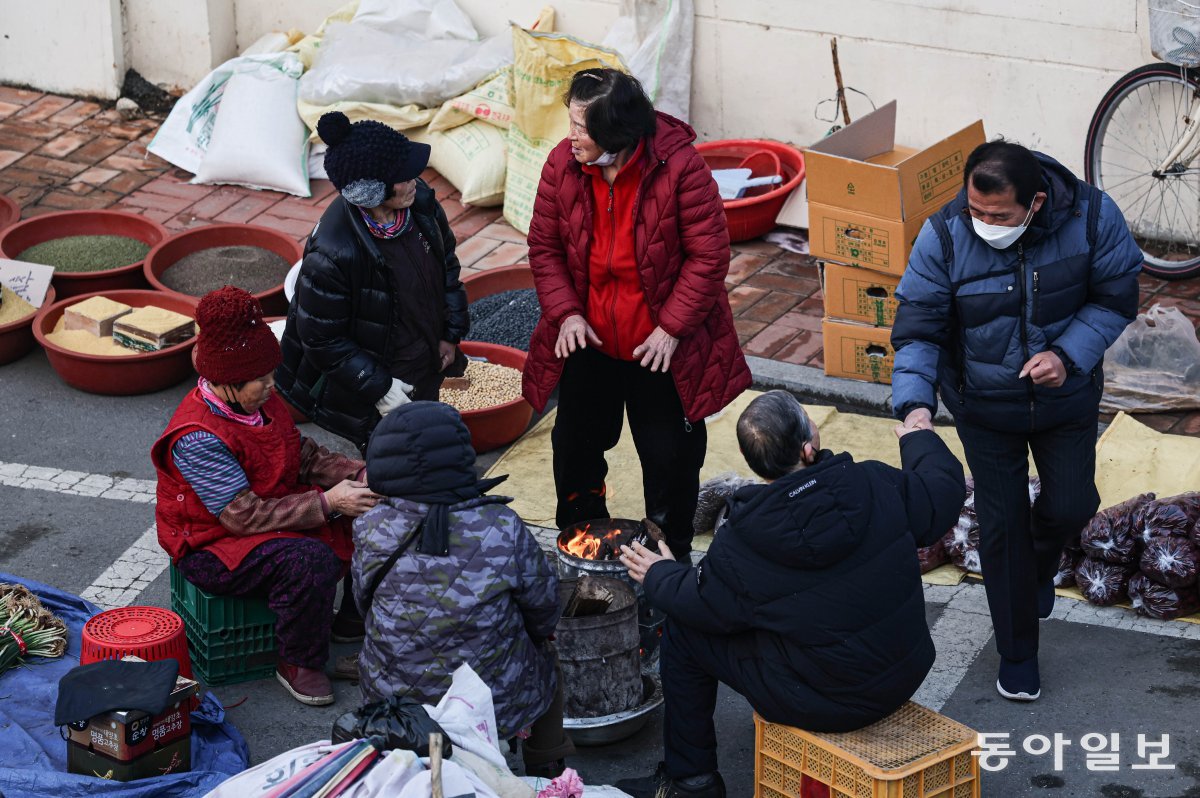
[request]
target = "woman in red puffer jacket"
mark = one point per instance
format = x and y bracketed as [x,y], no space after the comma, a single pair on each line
[629,249]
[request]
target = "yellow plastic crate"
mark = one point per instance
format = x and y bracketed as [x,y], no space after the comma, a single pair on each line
[913,753]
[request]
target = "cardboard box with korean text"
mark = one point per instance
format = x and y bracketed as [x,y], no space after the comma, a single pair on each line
[857,239]
[857,352]
[861,168]
[859,295]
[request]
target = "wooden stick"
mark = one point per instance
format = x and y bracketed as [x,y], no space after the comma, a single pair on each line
[841,90]
[435,764]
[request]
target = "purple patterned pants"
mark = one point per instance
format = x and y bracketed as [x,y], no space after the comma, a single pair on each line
[297,577]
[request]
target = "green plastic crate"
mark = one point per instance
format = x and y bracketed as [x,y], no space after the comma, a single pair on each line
[230,639]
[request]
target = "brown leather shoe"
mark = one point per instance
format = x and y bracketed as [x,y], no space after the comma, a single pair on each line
[346,668]
[307,685]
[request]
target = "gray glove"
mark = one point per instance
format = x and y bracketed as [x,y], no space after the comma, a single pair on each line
[396,396]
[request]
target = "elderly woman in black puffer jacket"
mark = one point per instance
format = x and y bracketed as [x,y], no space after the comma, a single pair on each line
[379,308]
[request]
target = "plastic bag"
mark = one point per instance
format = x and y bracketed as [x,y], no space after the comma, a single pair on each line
[426,19]
[1068,561]
[1111,534]
[935,556]
[401,722]
[1102,583]
[962,542]
[655,39]
[1160,601]
[490,101]
[1172,516]
[361,64]
[473,157]
[1171,561]
[714,493]
[1154,365]
[468,715]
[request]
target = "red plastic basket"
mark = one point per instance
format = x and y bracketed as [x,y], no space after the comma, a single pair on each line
[151,633]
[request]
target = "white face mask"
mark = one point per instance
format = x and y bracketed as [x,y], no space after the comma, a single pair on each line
[998,235]
[607,159]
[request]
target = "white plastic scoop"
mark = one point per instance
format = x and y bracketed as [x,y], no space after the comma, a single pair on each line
[732,183]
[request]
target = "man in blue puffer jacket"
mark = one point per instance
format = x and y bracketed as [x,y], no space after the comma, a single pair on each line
[1012,294]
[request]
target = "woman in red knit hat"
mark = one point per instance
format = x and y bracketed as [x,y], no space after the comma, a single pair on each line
[246,505]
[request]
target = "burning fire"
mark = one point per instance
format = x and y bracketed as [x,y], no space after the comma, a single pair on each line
[588,545]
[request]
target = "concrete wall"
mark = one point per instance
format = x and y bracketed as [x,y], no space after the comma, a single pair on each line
[175,43]
[1032,70]
[68,46]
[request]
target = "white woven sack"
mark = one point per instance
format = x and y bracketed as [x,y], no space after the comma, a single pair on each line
[259,140]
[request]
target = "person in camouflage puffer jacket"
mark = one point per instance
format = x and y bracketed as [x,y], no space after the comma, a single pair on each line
[470,583]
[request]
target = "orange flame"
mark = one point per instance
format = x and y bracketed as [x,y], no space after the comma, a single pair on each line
[587,545]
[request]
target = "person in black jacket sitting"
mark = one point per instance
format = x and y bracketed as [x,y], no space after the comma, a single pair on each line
[379,308]
[809,601]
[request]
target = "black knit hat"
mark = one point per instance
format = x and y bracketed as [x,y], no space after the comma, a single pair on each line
[367,158]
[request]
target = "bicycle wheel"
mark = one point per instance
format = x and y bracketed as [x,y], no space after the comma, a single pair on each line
[1135,127]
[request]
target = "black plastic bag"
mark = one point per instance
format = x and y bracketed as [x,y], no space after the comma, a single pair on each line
[1159,601]
[1102,583]
[962,542]
[1171,561]
[403,724]
[1110,535]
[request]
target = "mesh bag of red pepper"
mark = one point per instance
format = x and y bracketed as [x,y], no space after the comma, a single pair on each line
[1159,601]
[1110,536]
[1101,582]
[1171,561]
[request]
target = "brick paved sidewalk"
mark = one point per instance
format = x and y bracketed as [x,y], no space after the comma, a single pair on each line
[59,153]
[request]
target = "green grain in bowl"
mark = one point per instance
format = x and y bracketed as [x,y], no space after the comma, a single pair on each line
[86,253]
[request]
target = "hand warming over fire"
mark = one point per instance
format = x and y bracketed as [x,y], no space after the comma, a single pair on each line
[657,349]
[638,559]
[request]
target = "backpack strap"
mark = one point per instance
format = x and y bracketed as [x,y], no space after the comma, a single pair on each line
[943,233]
[1094,199]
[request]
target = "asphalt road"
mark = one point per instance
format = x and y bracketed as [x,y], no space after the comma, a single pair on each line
[1104,672]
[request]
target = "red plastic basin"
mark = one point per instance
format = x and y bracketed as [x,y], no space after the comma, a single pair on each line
[144,372]
[493,427]
[171,251]
[23,235]
[16,337]
[497,281]
[10,212]
[751,217]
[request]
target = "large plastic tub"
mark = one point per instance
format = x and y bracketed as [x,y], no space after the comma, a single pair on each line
[493,427]
[47,227]
[10,212]
[16,337]
[753,216]
[497,281]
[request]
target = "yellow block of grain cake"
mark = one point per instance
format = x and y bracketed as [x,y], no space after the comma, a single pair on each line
[95,315]
[150,329]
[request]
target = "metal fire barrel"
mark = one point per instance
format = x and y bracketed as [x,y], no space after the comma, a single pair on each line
[650,620]
[599,655]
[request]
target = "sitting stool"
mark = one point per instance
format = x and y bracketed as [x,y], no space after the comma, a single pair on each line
[912,753]
[232,639]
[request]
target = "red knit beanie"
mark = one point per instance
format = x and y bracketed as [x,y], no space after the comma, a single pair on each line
[235,344]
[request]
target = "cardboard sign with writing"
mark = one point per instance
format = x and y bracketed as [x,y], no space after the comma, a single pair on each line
[28,280]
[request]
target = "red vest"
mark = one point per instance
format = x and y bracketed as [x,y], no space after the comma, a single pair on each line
[270,456]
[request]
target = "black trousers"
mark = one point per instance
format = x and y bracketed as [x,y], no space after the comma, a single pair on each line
[1020,546]
[593,395]
[693,663]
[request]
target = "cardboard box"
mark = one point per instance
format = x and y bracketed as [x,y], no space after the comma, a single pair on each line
[860,168]
[859,295]
[857,352]
[856,239]
[173,758]
[125,735]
